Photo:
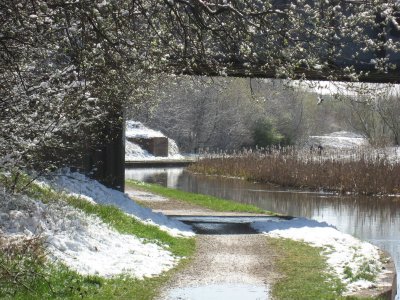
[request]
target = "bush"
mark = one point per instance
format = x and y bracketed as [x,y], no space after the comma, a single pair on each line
[265,134]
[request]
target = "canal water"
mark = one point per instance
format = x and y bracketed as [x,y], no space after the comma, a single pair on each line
[374,219]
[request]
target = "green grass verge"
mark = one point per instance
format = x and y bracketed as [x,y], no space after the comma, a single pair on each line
[304,271]
[206,201]
[58,282]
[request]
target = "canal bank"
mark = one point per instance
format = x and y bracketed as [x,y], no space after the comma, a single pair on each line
[211,228]
[159,163]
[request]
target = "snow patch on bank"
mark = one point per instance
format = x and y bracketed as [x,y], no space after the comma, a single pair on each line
[343,251]
[134,129]
[83,243]
[79,185]
[135,152]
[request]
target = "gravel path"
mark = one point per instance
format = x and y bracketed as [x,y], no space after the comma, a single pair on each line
[227,259]
[220,259]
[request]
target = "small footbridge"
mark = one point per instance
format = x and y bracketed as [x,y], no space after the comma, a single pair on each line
[222,224]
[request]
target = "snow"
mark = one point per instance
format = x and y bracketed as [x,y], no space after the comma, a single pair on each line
[345,88]
[392,154]
[83,243]
[173,150]
[78,184]
[347,134]
[145,196]
[135,129]
[133,151]
[342,250]
[352,146]
[338,140]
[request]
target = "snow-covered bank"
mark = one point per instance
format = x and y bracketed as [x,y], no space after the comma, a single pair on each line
[85,243]
[81,242]
[343,145]
[79,185]
[338,140]
[133,151]
[345,254]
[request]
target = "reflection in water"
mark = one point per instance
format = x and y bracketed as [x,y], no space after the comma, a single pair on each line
[375,219]
[164,176]
[220,292]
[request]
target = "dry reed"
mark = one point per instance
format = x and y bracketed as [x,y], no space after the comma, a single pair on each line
[361,171]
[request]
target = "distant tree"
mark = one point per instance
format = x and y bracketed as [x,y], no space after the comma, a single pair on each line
[388,108]
[374,114]
[220,113]
[212,113]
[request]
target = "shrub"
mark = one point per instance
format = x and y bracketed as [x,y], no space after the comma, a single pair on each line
[265,134]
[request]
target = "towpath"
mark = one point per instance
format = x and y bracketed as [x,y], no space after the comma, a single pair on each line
[231,261]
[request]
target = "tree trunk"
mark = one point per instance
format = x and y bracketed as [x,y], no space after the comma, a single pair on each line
[106,163]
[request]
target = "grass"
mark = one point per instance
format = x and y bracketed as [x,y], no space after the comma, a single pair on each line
[214,203]
[55,281]
[357,172]
[304,273]
[58,282]
[304,270]
[365,272]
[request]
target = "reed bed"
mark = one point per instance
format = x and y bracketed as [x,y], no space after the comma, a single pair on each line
[361,171]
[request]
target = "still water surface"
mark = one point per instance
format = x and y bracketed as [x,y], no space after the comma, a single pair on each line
[374,219]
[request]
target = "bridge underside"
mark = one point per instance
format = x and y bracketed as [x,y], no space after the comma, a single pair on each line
[371,75]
